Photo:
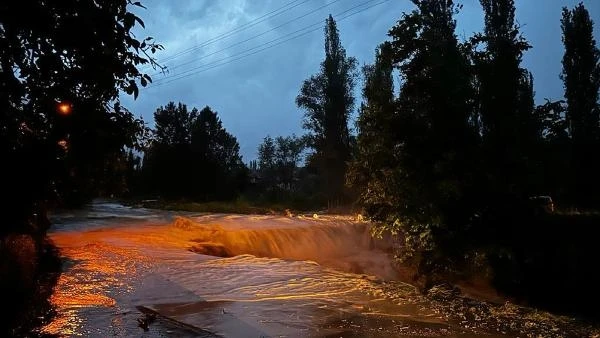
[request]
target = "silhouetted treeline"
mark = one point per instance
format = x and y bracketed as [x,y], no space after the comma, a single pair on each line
[188,158]
[453,159]
[309,172]
[277,169]
[280,176]
[191,155]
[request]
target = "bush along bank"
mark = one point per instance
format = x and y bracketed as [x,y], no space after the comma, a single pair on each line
[29,270]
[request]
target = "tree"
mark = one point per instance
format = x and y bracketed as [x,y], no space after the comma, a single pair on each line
[373,161]
[424,187]
[266,163]
[554,152]
[173,124]
[219,172]
[553,122]
[253,165]
[266,154]
[42,62]
[278,162]
[499,72]
[166,161]
[581,77]
[328,101]
[581,74]
[48,153]
[287,158]
[505,98]
[193,156]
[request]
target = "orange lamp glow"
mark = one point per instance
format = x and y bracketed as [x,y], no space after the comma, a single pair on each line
[63,144]
[64,108]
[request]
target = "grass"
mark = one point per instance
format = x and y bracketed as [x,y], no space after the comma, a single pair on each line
[231,207]
[240,206]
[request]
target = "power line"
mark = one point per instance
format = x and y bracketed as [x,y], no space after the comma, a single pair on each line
[246,51]
[216,64]
[238,29]
[242,55]
[319,24]
[251,38]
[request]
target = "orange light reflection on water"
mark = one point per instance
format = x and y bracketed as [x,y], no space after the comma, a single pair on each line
[67,323]
[92,272]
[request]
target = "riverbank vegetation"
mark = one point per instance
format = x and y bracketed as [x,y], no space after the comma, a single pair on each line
[453,157]
[470,150]
[448,149]
[61,130]
[225,207]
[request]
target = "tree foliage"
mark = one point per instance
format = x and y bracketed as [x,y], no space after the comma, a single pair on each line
[373,163]
[581,74]
[174,124]
[192,155]
[328,101]
[452,161]
[505,98]
[279,164]
[42,62]
[267,163]
[82,54]
[581,77]
[423,187]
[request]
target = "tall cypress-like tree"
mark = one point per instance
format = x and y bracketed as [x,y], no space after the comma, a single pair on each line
[581,76]
[499,71]
[328,101]
[505,99]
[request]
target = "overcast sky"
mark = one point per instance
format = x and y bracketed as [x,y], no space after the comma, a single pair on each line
[255,95]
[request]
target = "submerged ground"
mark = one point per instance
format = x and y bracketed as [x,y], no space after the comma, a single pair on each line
[140,272]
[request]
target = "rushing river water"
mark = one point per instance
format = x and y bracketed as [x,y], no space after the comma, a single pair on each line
[145,273]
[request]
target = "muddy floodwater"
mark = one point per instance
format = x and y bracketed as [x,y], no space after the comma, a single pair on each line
[144,273]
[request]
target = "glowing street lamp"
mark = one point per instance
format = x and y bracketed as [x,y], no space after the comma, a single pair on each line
[64,108]
[63,144]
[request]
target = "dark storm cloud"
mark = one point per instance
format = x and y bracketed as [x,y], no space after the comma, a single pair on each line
[255,95]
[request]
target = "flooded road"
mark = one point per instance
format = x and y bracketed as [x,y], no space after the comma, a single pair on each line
[145,273]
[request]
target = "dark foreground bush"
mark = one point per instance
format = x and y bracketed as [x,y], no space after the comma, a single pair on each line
[552,262]
[29,270]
